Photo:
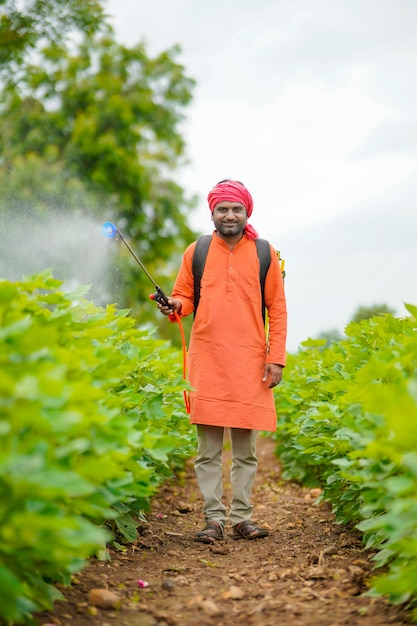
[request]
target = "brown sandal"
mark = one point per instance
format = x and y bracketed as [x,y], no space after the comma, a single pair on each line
[247,530]
[212,532]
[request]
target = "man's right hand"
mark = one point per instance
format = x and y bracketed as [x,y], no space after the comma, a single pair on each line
[175,306]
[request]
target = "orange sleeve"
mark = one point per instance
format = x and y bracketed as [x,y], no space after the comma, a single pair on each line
[183,289]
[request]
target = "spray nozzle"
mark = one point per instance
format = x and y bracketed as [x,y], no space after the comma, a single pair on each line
[109,230]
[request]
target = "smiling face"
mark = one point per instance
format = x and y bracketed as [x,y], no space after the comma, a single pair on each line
[229,219]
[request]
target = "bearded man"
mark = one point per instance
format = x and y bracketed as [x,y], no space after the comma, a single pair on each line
[233,367]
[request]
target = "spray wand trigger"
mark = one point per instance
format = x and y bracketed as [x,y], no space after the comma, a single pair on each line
[160,297]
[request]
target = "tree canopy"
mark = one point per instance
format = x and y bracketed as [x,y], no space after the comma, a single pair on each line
[25,28]
[104,117]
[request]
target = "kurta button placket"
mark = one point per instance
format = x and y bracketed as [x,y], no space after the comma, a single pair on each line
[231,279]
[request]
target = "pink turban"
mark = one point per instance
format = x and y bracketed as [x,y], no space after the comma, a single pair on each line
[233,191]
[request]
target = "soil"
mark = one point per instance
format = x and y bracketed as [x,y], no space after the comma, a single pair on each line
[308,571]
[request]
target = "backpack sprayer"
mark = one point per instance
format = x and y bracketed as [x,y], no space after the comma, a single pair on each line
[112,232]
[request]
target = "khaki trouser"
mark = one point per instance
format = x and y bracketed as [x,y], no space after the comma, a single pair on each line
[208,469]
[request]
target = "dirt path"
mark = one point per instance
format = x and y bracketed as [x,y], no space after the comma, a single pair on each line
[309,571]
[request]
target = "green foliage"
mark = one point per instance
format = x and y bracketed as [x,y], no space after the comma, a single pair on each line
[91,421]
[347,421]
[83,114]
[23,27]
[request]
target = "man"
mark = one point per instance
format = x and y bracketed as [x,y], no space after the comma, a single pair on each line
[232,369]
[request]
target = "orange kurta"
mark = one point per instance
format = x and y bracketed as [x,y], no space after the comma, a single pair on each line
[228,352]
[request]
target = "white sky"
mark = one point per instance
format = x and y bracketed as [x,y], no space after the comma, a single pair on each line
[312,104]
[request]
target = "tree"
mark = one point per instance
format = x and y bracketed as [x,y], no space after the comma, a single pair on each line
[331,336]
[365,312]
[24,28]
[110,116]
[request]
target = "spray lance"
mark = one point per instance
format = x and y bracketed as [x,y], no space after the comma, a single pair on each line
[112,232]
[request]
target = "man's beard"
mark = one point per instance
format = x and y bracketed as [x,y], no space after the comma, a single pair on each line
[229,230]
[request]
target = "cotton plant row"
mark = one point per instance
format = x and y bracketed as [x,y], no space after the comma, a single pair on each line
[91,421]
[348,422]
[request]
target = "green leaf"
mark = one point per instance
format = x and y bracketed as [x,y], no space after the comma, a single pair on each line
[126,526]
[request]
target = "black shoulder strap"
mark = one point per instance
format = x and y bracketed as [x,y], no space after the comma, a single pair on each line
[199,261]
[264,256]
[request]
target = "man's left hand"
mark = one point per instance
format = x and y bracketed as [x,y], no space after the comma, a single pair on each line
[273,372]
